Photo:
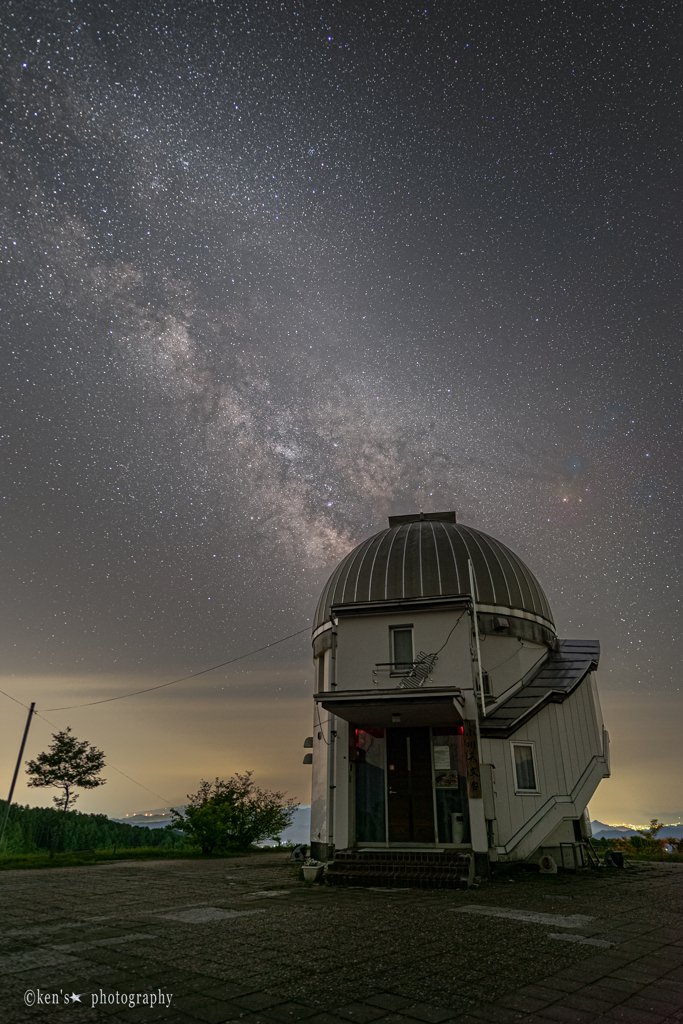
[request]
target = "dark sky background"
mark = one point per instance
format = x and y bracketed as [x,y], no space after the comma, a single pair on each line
[271,272]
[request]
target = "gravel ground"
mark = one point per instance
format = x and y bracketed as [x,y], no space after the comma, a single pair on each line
[246,941]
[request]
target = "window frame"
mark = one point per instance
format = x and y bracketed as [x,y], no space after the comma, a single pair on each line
[532,745]
[392,650]
[320,673]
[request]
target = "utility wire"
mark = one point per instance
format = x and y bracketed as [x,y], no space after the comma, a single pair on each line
[135,693]
[449,635]
[193,675]
[108,765]
[14,699]
[165,799]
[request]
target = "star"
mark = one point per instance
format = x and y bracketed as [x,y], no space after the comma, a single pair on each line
[75,998]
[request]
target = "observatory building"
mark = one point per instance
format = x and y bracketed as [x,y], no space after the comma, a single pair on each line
[452,727]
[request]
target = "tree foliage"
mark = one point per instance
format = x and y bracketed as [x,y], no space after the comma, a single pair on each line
[233,815]
[647,842]
[67,764]
[38,829]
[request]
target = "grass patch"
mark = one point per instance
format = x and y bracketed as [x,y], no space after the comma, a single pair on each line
[666,858]
[79,858]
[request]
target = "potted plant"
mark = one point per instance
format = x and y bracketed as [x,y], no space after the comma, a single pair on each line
[312,869]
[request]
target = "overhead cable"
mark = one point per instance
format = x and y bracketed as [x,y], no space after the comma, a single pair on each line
[193,675]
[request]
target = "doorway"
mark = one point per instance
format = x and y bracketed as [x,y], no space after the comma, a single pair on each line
[410,800]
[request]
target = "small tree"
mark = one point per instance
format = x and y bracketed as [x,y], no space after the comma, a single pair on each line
[67,764]
[233,815]
[652,830]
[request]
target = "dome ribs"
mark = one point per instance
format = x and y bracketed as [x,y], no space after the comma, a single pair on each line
[356,557]
[328,596]
[528,597]
[539,603]
[483,580]
[450,564]
[428,558]
[364,572]
[410,563]
[391,567]
[376,583]
[436,556]
[517,592]
[499,578]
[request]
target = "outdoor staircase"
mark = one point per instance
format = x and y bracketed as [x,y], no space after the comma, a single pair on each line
[419,869]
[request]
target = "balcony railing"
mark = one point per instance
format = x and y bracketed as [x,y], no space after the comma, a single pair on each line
[413,673]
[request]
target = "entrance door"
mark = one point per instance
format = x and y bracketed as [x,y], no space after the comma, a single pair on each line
[409,778]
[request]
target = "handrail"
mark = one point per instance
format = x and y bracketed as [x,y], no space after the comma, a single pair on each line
[419,670]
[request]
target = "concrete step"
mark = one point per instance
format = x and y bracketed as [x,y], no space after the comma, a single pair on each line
[418,869]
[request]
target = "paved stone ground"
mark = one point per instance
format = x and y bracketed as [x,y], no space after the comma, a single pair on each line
[246,941]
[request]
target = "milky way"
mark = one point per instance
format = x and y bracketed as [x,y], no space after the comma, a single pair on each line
[273,271]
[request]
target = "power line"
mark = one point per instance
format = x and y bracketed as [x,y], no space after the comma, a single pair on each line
[108,765]
[14,699]
[193,675]
[159,687]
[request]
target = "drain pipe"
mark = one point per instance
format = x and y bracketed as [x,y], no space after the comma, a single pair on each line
[477,648]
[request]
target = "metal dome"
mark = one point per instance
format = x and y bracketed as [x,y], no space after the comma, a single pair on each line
[427,556]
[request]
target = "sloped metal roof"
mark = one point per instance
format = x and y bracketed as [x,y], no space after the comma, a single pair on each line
[552,682]
[429,558]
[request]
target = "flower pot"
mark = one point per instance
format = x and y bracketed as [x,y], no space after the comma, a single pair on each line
[312,872]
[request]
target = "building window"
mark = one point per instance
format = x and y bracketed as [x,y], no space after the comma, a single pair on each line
[486,680]
[401,648]
[524,765]
[320,666]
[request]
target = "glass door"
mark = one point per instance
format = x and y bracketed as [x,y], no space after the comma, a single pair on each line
[450,783]
[367,753]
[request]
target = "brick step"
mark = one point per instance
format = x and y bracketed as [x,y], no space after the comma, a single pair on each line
[417,880]
[385,867]
[400,863]
[403,855]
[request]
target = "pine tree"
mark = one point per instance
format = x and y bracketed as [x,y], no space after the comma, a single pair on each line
[67,764]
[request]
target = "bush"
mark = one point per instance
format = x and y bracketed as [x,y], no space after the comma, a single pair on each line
[234,815]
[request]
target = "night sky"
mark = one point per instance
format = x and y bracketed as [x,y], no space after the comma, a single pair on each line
[271,272]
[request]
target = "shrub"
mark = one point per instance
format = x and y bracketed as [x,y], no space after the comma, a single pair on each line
[232,816]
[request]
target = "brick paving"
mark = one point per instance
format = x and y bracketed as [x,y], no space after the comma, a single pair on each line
[246,941]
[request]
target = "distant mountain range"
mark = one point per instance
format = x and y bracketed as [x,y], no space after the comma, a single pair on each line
[298,832]
[602,831]
[300,829]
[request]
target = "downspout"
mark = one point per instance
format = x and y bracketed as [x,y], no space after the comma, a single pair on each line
[332,748]
[479,834]
[477,648]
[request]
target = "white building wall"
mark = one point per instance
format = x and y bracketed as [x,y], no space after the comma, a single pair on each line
[364,641]
[568,742]
[507,660]
[318,788]
[319,784]
[339,762]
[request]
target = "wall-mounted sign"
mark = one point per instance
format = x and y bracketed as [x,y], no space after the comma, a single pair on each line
[472,759]
[442,758]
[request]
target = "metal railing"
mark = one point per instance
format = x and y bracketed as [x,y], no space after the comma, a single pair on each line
[415,672]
